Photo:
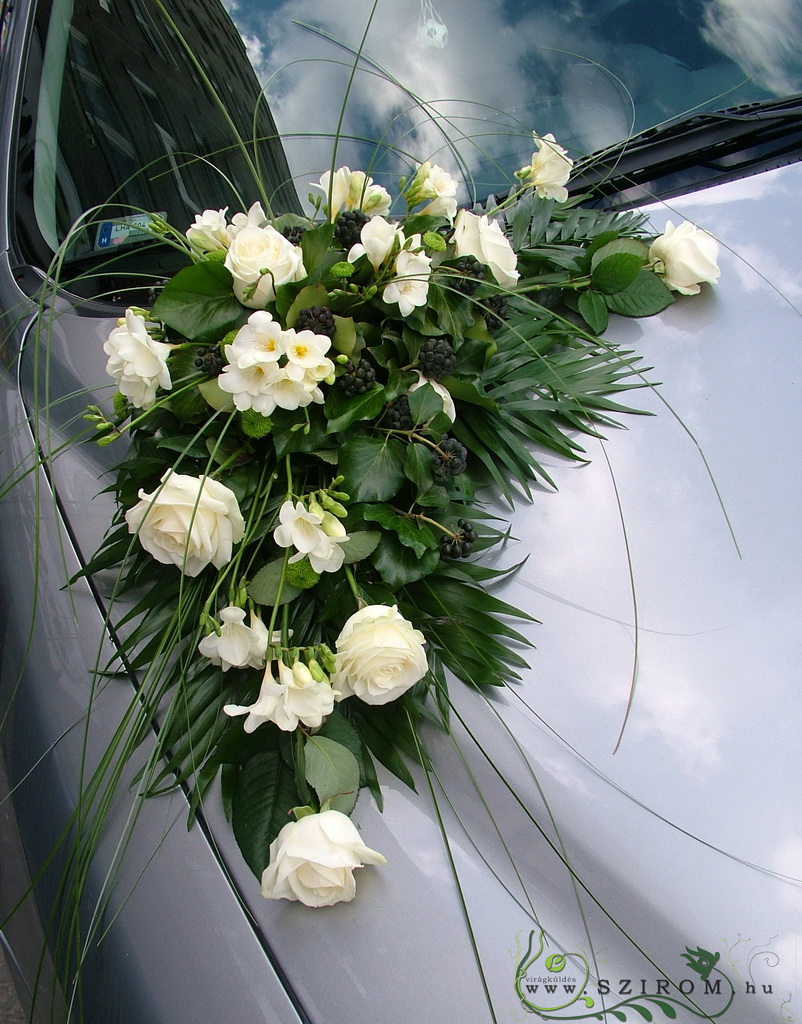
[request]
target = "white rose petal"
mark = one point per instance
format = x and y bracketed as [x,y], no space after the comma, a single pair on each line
[259,260]
[485,241]
[188,522]
[379,656]
[685,258]
[313,860]
[237,645]
[137,362]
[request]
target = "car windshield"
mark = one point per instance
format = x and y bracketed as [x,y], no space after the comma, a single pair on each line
[120,116]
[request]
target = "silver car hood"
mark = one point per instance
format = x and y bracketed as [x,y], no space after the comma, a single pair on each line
[544,871]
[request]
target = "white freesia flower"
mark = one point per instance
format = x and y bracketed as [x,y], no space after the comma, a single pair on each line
[550,169]
[313,536]
[410,287]
[136,361]
[313,860]
[259,260]
[378,239]
[379,656]
[254,218]
[306,352]
[237,645]
[685,257]
[269,368]
[296,697]
[433,183]
[188,522]
[485,241]
[353,190]
[210,232]
[449,408]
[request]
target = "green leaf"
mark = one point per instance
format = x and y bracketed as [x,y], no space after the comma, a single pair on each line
[360,544]
[311,295]
[373,467]
[340,729]
[261,806]
[399,564]
[641,1010]
[615,247]
[315,246]
[424,403]
[264,587]
[593,310]
[467,391]
[614,273]
[667,1008]
[412,533]
[333,772]
[199,303]
[418,467]
[645,296]
[341,411]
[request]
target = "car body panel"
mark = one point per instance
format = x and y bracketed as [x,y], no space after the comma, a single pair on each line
[687,838]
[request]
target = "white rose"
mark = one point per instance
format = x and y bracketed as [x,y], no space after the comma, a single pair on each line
[259,260]
[549,170]
[485,241]
[410,288]
[254,218]
[313,860]
[379,656]
[210,232]
[188,522]
[685,257]
[136,361]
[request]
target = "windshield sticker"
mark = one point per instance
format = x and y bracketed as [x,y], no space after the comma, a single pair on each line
[558,986]
[124,230]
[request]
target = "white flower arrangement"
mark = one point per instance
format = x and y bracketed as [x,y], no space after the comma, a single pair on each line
[361,380]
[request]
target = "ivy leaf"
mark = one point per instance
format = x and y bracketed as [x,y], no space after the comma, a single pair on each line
[264,797]
[412,533]
[315,246]
[199,303]
[399,564]
[333,772]
[645,296]
[341,411]
[424,403]
[373,467]
[264,587]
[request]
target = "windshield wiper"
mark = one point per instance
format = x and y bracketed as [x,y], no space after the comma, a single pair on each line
[693,152]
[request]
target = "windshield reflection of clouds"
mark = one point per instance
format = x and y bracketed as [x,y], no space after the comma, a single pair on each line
[762,37]
[590,73]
